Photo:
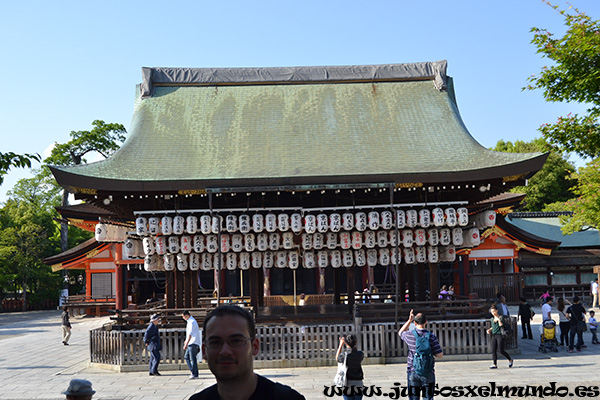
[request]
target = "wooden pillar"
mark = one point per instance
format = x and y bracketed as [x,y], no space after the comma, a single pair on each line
[401,277]
[187,289]
[178,289]
[170,288]
[336,286]
[254,289]
[88,281]
[434,286]
[465,287]
[194,289]
[421,281]
[119,296]
[350,280]
[411,281]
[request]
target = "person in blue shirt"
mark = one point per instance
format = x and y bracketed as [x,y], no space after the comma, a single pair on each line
[152,341]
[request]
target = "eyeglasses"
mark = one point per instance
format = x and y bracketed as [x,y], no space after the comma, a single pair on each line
[234,341]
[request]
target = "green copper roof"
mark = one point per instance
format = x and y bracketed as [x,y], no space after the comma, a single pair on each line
[275,134]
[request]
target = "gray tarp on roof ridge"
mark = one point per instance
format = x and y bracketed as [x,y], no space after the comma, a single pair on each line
[435,70]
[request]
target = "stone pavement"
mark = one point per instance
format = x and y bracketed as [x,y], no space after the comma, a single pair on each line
[35,365]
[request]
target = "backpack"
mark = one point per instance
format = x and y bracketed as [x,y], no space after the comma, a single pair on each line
[423,357]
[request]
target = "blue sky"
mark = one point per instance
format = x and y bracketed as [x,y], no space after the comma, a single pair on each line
[67,63]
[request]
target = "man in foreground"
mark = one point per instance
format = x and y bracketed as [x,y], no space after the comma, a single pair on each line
[192,343]
[423,346]
[229,347]
[152,341]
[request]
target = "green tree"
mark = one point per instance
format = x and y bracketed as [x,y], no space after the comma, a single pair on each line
[9,160]
[573,77]
[550,184]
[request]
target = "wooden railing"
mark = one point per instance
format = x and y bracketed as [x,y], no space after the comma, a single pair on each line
[487,286]
[315,342]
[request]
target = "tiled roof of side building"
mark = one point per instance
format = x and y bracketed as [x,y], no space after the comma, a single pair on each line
[395,130]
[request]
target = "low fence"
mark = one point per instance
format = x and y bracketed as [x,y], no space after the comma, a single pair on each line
[314,342]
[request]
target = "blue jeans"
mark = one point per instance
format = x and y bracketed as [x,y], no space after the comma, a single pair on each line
[420,385]
[190,358]
[353,396]
[154,359]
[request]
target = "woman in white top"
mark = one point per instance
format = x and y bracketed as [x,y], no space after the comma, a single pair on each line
[564,322]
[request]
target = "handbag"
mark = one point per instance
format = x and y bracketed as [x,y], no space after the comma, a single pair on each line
[581,326]
[340,376]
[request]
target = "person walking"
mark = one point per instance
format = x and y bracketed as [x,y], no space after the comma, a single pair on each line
[66,326]
[192,343]
[576,315]
[354,374]
[79,389]
[594,293]
[152,341]
[497,341]
[423,348]
[564,323]
[526,315]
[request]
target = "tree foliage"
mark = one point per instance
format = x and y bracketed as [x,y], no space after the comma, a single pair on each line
[551,184]
[574,77]
[9,160]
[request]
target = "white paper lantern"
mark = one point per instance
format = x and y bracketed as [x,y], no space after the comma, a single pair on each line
[141,227]
[373,220]
[322,223]
[245,262]
[432,254]
[335,222]
[471,237]
[331,240]
[387,220]
[270,222]
[268,259]
[182,262]
[360,257]
[129,248]
[347,258]
[194,261]
[186,244]
[420,237]
[485,219]
[151,263]
[394,238]
[345,240]
[412,218]
[437,215]
[421,254]
[281,259]
[394,256]
[360,221]
[198,244]
[231,223]
[283,222]
[424,218]
[296,222]
[205,224]
[372,257]
[225,243]
[347,221]
[262,241]
[274,241]
[169,262]
[212,243]
[451,219]
[400,219]
[306,241]
[310,223]
[335,258]
[457,237]
[178,225]
[206,261]
[287,240]
[231,261]
[322,259]
[318,241]
[407,237]
[370,239]
[216,222]
[433,237]
[191,224]
[409,256]
[154,226]
[463,216]
[249,242]
[244,223]
[308,260]
[173,244]
[219,261]
[382,238]
[384,257]
[294,259]
[256,259]
[445,237]
[166,225]
[237,242]
[258,223]
[447,254]
[357,240]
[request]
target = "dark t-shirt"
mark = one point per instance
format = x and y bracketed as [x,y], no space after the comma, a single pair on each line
[577,313]
[353,361]
[265,390]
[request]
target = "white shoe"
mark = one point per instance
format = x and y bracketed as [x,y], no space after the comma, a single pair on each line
[192,377]
[493,366]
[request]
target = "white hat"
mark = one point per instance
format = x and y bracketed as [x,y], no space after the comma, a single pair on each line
[79,387]
[154,317]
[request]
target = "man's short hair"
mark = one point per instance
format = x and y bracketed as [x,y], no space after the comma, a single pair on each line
[523,299]
[549,299]
[230,310]
[185,312]
[575,299]
[499,296]
[420,319]
[494,307]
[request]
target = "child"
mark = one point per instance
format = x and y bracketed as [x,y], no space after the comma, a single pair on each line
[593,327]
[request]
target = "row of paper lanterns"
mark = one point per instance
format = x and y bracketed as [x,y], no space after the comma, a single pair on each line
[293,259]
[308,223]
[250,242]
